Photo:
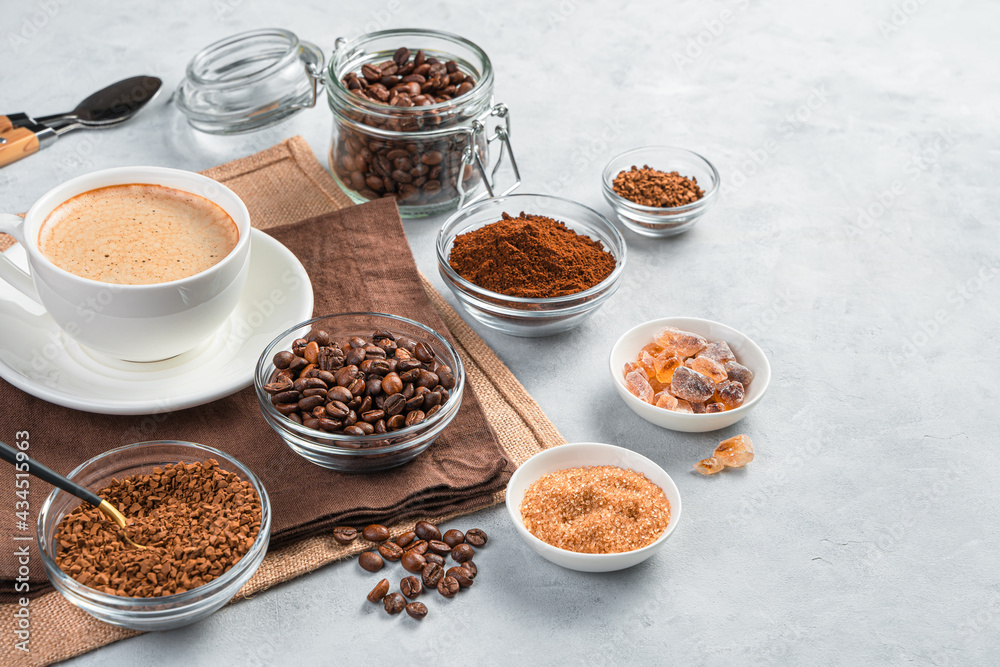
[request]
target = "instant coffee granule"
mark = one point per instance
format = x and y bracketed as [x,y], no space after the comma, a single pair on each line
[530,256]
[595,510]
[650,187]
[195,520]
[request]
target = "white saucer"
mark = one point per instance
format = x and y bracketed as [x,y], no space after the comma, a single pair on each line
[38,358]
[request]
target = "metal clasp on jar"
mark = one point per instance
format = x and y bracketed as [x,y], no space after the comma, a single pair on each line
[472,155]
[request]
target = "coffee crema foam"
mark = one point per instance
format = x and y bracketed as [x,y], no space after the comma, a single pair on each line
[137,234]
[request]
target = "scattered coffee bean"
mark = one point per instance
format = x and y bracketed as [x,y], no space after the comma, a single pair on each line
[448,587]
[416,610]
[345,534]
[375,533]
[371,561]
[434,558]
[380,591]
[453,537]
[461,575]
[427,531]
[463,553]
[476,537]
[411,587]
[406,539]
[418,547]
[432,574]
[394,603]
[391,551]
[471,567]
[438,547]
[413,562]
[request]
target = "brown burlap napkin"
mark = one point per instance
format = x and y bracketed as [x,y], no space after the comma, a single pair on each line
[464,471]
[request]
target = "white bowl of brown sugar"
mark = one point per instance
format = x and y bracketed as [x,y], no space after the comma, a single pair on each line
[575,505]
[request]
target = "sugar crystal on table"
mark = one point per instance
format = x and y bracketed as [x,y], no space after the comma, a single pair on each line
[710,368]
[735,452]
[739,373]
[691,385]
[731,394]
[636,383]
[718,351]
[709,466]
[681,343]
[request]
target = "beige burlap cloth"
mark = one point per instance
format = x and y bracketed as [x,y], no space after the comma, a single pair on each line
[280,185]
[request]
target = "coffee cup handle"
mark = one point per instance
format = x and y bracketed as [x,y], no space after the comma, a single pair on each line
[10,272]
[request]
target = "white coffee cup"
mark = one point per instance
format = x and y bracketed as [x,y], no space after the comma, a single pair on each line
[132,322]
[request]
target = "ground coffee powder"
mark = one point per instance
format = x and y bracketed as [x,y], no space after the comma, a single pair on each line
[530,256]
[195,520]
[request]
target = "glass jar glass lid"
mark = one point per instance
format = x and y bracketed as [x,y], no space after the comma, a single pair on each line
[250,81]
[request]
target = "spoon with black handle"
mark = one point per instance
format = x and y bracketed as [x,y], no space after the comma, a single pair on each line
[40,471]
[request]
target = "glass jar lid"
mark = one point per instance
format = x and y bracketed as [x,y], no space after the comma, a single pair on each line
[250,81]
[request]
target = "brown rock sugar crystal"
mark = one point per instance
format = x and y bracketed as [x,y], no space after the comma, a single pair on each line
[195,520]
[530,256]
[650,187]
[595,510]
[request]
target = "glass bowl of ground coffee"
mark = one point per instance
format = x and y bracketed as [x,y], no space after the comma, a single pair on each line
[204,517]
[659,190]
[530,265]
[359,392]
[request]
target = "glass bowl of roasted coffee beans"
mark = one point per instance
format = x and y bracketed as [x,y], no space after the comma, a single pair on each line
[530,265]
[359,392]
[203,517]
[659,190]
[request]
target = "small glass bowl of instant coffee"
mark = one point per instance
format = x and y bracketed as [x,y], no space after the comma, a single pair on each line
[164,612]
[676,186]
[530,265]
[359,392]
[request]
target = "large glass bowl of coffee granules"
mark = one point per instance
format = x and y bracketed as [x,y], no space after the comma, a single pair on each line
[676,187]
[357,357]
[530,265]
[166,567]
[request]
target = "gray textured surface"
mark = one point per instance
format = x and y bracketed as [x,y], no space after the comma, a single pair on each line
[866,530]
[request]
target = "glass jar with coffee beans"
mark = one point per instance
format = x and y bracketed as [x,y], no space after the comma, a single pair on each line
[412,112]
[359,391]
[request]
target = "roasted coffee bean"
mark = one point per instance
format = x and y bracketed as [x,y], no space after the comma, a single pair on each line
[337,410]
[453,537]
[395,422]
[394,603]
[377,367]
[415,417]
[373,386]
[448,587]
[411,587]
[432,574]
[463,552]
[371,416]
[329,425]
[394,404]
[309,402]
[476,537]
[392,384]
[417,610]
[380,591]
[420,546]
[311,352]
[310,422]
[427,531]
[357,387]
[291,396]
[287,408]
[406,365]
[401,56]
[370,561]
[471,567]
[390,551]
[438,547]
[283,358]
[432,399]
[354,356]
[406,539]
[297,364]
[345,534]
[414,403]
[308,383]
[445,376]
[461,575]
[413,561]
[422,351]
[339,394]
[434,558]
[427,379]
[375,533]
[345,375]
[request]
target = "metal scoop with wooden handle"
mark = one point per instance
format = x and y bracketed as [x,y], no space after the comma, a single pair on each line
[44,473]
[21,135]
